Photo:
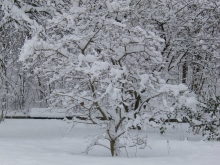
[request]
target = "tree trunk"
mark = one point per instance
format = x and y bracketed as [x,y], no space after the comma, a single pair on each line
[184,72]
[112,147]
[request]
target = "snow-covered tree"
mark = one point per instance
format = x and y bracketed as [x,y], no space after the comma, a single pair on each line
[104,68]
[192,48]
[19,20]
[190,30]
[206,119]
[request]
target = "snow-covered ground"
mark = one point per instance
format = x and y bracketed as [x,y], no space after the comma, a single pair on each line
[49,142]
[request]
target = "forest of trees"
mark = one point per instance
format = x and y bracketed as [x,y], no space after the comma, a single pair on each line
[119,64]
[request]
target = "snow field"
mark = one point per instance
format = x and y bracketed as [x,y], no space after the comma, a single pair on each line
[49,142]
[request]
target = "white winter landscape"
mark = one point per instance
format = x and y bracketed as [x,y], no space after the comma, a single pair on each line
[50,142]
[109,82]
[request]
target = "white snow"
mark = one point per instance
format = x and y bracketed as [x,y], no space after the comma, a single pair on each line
[78,9]
[88,58]
[27,49]
[39,112]
[45,112]
[49,142]
[192,103]
[16,114]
